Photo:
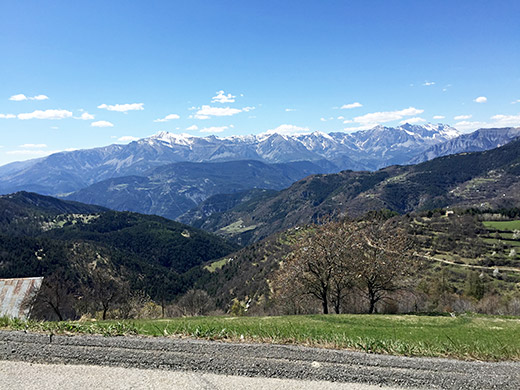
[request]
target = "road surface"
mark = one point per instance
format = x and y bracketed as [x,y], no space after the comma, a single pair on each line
[210,363]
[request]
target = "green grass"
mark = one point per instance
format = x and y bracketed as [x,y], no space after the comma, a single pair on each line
[462,337]
[503,225]
[216,265]
[236,228]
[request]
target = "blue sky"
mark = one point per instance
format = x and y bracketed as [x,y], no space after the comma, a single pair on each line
[84,74]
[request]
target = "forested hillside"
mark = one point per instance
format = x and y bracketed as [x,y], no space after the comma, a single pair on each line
[487,179]
[78,247]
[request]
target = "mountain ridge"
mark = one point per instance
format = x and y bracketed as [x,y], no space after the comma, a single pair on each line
[66,172]
[488,179]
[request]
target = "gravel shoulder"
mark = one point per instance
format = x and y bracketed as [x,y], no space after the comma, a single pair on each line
[257,360]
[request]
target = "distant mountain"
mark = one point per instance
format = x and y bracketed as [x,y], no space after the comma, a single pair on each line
[171,190]
[66,172]
[479,140]
[223,202]
[489,179]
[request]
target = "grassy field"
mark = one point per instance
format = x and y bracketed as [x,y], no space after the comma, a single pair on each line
[502,225]
[462,337]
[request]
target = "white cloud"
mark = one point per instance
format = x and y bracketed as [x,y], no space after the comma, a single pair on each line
[462,117]
[351,105]
[168,118]
[361,127]
[290,109]
[21,97]
[288,130]
[386,116]
[323,120]
[340,118]
[102,124]
[214,129]
[373,119]
[428,83]
[27,152]
[47,114]
[516,101]
[122,107]
[222,98]
[85,116]
[205,112]
[33,146]
[506,120]
[438,117]
[192,128]
[39,97]
[18,98]
[480,99]
[469,126]
[412,120]
[7,116]
[496,121]
[127,138]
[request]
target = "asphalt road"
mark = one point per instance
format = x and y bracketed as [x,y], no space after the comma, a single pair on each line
[214,360]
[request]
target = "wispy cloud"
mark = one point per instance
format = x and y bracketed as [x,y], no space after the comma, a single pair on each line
[85,116]
[127,138]
[192,128]
[507,120]
[206,112]
[412,120]
[428,83]
[29,152]
[496,121]
[102,124]
[368,121]
[462,117]
[122,107]
[480,99]
[515,101]
[351,105]
[438,117]
[288,130]
[290,109]
[214,129]
[21,97]
[168,118]
[47,114]
[33,146]
[7,116]
[221,97]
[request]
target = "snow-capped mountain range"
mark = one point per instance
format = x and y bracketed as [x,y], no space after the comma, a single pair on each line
[372,149]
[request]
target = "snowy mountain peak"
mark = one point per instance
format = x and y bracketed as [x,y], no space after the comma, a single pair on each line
[171,138]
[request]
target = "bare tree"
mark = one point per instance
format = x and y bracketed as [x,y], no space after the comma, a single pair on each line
[105,291]
[382,259]
[319,264]
[196,303]
[55,298]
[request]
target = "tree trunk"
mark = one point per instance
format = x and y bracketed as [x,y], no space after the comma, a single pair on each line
[372,306]
[373,300]
[324,301]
